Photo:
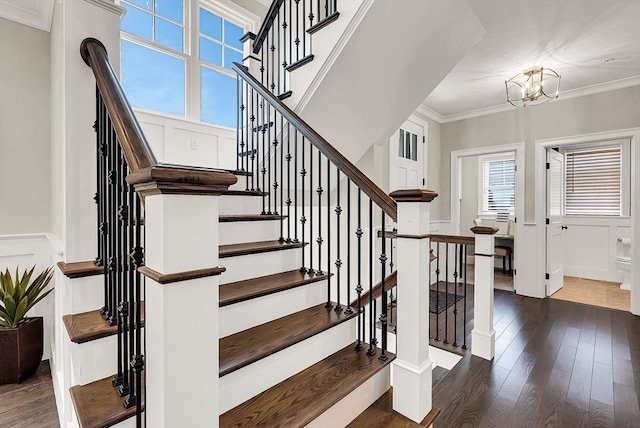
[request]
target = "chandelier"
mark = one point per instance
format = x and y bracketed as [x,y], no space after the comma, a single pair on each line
[537,85]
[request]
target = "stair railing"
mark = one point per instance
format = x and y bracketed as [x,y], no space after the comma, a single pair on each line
[127,171]
[311,185]
[283,42]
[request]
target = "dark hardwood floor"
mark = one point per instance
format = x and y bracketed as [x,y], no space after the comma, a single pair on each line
[557,364]
[31,403]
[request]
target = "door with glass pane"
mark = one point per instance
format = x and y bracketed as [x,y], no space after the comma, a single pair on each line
[406,157]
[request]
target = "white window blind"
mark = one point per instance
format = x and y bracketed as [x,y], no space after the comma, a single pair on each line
[498,184]
[593,184]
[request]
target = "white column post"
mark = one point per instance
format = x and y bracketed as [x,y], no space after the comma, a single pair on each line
[483,336]
[181,320]
[412,366]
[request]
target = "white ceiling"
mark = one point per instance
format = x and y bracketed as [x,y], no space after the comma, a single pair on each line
[572,37]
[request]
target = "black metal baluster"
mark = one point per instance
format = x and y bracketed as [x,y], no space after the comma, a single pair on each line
[455,297]
[269,155]
[283,47]
[288,158]
[446,293]
[117,237]
[319,191]
[383,315]
[275,163]
[304,28]
[349,310]
[372,312]
[130,286]
[338,212]
[276,64]
[297,41]
[329,304]
[239,130]
[303,219]
[282,158]
[123,217]
[252,128]
[295,186]
[359,286]
[98,194]
[263,170]
[311,271]
[437,299]
[464,313]
[271,65]
[391,290]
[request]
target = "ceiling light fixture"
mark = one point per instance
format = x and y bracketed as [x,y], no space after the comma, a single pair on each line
[537,85]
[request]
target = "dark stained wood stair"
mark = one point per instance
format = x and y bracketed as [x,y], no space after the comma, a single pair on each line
[300,399]
[88,326]
[232,250]
[243,348]
[235,292]
[249,217]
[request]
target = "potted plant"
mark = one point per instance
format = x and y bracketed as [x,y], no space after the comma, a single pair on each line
[21,338]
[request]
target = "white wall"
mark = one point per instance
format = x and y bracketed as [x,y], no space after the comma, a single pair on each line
[468,194]
[24,129]
[605,111]
[182,142]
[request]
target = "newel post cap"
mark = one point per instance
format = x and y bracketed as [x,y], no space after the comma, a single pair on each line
[484,230]
[413,195]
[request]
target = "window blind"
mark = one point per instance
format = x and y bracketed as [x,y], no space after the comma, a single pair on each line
[499,179]
[593,184]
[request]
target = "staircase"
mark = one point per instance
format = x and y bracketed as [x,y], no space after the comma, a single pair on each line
[297,257]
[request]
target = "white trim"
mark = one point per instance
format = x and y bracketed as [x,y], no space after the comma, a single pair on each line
[540,196]
[40,18]
[564,95]
[426,364]
[519,149]
[108,6]
[481,180]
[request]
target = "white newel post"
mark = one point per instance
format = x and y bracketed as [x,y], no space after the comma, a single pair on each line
[412,366]
[483,336]
[181,305]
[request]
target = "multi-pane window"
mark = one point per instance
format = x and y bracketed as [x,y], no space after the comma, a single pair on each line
[177,57]
[498,183]
[596,180]
[407,145]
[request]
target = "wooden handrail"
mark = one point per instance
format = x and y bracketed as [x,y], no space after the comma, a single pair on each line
[453,239]
[145,170]
[375,193]
[272,14]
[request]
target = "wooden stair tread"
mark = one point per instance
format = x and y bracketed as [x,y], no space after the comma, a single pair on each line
[232,250]
[381,415]
[88,326]
[80,269]
[239,291]
[243,348]
[301,398]
[98,405]
[250,217]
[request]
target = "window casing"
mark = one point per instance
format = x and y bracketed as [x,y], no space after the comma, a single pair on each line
[497,179]
[185,70]
[597,179]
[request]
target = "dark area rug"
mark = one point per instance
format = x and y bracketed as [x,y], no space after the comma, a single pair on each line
[444,301]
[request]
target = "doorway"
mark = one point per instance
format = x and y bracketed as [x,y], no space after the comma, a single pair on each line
[407,156]
[491,156]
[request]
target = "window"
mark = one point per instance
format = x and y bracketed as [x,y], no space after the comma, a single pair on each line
[177,57]
[407,145]
[498,179]
[597,179]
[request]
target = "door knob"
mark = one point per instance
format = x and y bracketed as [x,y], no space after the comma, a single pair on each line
[564,227]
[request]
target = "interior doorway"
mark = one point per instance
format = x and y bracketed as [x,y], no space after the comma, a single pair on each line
[407,156]
[489,203]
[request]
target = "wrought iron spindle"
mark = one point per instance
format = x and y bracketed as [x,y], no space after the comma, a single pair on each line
[295,187]
[359,286]
[455,297]
[349,310]
[267,155]
[288,158]
[338,211]
[282,158]
[446,293]
[372,301]
[311,271]
[319,240]
[383,315]
[464,313]
[263,170]
[328,192]
[297,41]
[437,299]
[303,219]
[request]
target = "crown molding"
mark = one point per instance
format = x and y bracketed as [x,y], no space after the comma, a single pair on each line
[564,95]
[18,11]
[109,6]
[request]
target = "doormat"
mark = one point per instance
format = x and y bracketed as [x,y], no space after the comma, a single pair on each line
[445,300]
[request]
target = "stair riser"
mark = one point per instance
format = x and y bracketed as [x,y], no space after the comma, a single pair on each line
[237,232]
[239,386]
[91,361]
[244,315]
[253,265]
[347,409]
[84,294]
[233,204]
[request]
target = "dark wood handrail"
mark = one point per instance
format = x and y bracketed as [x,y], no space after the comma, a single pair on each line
[453,239]
[145,170]
[377,195]
[272,14]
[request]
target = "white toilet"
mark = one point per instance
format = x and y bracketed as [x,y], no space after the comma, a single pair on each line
[623,261]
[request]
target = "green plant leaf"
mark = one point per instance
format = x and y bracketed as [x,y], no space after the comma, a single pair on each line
[18,294]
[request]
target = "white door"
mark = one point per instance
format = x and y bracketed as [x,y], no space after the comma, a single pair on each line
[555,203]
[406,157]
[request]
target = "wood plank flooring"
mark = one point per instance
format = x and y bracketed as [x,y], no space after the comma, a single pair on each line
[557,364]
[594,292]
[31,403]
